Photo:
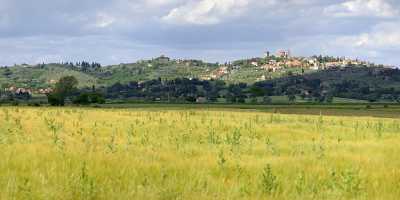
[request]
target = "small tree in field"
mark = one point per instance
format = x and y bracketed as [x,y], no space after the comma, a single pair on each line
[63,89]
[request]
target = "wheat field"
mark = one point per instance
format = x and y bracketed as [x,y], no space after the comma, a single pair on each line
[89,153]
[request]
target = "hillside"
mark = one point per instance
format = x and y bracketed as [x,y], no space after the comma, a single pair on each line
[316,78]
[372,84]
[44,75]
[41,76]
[244,71]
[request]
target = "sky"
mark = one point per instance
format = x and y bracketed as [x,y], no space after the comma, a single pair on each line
[124,31]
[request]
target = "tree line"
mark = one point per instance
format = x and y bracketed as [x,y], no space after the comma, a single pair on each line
[372,85]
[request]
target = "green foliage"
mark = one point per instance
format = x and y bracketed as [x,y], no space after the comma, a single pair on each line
[66,85]
[63,89]
[87,98]
[56,99]
[371,84]
[269,181]
[221,159]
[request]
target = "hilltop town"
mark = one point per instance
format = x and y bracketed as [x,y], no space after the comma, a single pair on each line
[283,62]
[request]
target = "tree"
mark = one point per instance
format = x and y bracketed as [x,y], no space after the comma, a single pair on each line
[267,100]
[82,99]
[55,99]
[291,94]
[66,85]
[256,91]
[87,98]
[63,89]
[291,97]
[97,98]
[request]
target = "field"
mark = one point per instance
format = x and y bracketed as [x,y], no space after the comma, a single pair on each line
[159,153]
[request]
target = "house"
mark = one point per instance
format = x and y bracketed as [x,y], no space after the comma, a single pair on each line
[333,64]
[283,53]
[236,67]
[10,89]
[201,100]
[294,63]
[272,62]
[163,59]
[313,63]
[254,63]
[271,68]
[266,67]
[15,90]
[223,70]
[205,77]
[45,91]
[262,78]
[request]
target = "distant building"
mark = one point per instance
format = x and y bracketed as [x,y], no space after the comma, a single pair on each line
[294,63]
[262,78]
[267,54]
[163,59]
[45,91]
[201,100]
[16,90]
[10,89]
[271,68]
[283,53]
[254,63]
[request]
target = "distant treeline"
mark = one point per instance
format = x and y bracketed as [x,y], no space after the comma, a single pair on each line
[373,85]
[370,84]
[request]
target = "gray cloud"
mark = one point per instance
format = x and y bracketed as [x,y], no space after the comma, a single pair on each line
[114,31]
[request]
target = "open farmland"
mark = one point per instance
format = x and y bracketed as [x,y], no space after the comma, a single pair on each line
[87,153]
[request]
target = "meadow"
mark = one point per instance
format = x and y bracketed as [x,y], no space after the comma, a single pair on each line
[103,153]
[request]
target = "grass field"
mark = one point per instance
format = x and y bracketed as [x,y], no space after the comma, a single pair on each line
[149,153]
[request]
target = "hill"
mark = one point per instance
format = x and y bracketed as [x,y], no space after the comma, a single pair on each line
[303,79]
[364,83]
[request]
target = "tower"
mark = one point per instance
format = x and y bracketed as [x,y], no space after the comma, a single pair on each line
[266,54]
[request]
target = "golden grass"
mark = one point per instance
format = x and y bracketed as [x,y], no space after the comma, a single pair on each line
[82,153]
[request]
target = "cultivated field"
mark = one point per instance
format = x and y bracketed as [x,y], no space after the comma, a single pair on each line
[84,153]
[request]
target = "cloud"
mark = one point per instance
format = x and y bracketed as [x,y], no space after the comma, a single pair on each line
[357,8]
[103,20]
[206,12]
[382,36]
[114,31]
[157,3]
[103,49]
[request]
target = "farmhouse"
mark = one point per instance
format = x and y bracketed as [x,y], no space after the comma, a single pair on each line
[201,100]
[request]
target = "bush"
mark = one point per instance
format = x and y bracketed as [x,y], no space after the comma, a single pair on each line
[190,99]
[269,181]
[82,99]
[267,100]
[97,98]
[14,103]
[55,99]
[241,100]
[36,104]
[89,98]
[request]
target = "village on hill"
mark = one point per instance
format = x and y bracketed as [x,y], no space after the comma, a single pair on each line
[283,61]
